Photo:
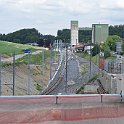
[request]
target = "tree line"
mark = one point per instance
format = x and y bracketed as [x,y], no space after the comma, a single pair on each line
[85,36]
[25,36]
[32,35]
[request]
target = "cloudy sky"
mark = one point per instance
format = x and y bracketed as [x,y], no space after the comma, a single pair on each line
[50,15]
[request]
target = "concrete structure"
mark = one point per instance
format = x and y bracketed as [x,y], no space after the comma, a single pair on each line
[118,47]
[113,76]
[100,33]
[88,48]
[72,109]
[74,33]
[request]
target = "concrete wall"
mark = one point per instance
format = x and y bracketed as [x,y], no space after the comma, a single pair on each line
[113,83]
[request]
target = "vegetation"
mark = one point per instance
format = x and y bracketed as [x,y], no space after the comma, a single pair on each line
[24,36]
[93,78]
[64,35]
[86,56]
[35,59]
[106,50]
[84,69]
[106,47]
[117,30]
[38,87]
[32,35]
[95,50]
[111,42]
[80,90]
[9,48]
[85,36]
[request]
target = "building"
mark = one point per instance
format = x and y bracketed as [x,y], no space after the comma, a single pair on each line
[88,48]
[74,33]
[100,33]
[118,47]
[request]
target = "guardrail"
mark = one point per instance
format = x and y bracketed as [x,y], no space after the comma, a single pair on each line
[100,98]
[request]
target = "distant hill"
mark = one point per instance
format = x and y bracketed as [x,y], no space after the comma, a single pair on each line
[24,36]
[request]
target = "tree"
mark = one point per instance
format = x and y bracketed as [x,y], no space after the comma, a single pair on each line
[111,42]
[95,50]
[40,42]
[106,50]
[117,30]
[64,35]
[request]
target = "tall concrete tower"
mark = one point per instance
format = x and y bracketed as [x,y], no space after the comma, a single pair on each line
[74,33]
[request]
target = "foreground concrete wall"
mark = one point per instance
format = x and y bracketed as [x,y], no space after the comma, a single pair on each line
[113,83]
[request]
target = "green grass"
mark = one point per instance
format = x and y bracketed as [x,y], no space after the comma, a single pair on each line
[34,59]
[94,59]
[93,78]
[112,57]
[81,89]
[38,87]
[84,69]
[8,48]
[86,56]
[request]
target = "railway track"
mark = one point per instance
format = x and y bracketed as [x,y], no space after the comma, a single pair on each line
[56,81]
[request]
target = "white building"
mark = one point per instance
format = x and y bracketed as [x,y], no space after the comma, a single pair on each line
[74,33]
[88,49]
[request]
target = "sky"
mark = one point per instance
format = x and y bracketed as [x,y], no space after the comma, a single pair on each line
[48,16]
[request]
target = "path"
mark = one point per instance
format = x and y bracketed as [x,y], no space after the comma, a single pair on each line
[19,56]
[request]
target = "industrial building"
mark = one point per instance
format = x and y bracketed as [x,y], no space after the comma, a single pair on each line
[100,33]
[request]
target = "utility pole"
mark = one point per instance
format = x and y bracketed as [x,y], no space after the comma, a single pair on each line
[0,76]
[55,63]
[13,73]
[50,62]
[43,65]
[66,70]
[28,72]
[90,60]
[58,53]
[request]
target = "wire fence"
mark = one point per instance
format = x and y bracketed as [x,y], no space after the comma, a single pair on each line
[26,74]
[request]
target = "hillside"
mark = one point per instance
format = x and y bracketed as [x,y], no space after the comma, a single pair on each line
[21,69]
[25,36]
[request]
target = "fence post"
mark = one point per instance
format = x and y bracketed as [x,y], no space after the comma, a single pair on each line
[13,73]
[0,76]
[56,99]
[101,98]
[121,96]
[29,73]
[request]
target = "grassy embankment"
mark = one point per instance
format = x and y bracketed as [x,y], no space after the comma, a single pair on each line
[7,49]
